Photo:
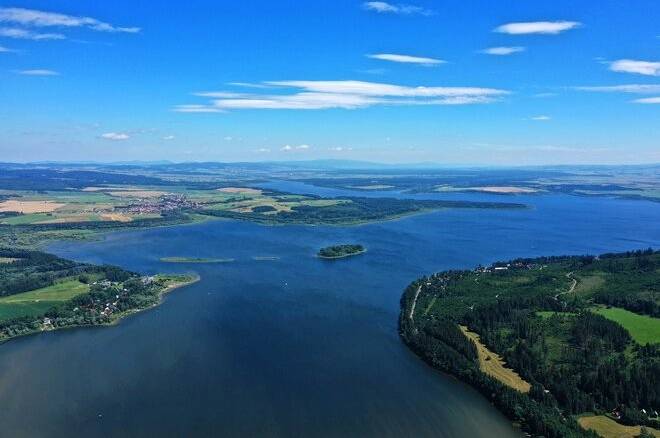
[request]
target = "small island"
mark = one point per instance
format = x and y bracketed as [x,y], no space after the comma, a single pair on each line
[341,251]
[194,260]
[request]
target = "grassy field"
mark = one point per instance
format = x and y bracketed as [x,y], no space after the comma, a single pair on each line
[493,365]
[643,329]
[608,428]
[38,301]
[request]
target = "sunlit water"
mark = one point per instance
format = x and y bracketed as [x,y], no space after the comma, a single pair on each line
[295,346]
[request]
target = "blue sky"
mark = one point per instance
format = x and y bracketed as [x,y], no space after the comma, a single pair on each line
[454,82]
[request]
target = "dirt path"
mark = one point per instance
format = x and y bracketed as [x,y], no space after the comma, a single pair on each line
[570,289]
[575,282]
[412,308]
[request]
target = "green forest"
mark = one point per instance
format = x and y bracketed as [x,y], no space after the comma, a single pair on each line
[339,251]
[545,318]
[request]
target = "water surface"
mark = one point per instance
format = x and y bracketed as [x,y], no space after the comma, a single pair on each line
[295,346]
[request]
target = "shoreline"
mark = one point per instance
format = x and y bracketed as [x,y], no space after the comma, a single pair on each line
[114,320]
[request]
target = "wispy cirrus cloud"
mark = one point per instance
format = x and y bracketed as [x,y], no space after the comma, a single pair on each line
[36,18]
[317,95]
[648,100]
[115,136]
[23,34]
[197,109]
[537,27]
[4,49]
[401,9]
[541,118]
[503,50]
[406,59]
[38,72]
[626,88]
[647,68]
[299,148]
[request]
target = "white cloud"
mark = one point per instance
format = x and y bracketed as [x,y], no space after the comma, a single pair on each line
[648,100]
[263,150]
[168,137]
[196,109]
[647,68]
[402,9]
[314,95]
[339,149]
[537,27]
[38,72]
[541,118]
[115,136]
[502,51]
[22,34]
[289,148]
[34,18]
[406,59]
[4,49]
[627,88]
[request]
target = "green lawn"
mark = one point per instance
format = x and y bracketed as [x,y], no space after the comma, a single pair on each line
[643,329]
[38,301]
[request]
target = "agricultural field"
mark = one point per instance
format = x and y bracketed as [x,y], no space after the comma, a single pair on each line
[643,329]
[608,428]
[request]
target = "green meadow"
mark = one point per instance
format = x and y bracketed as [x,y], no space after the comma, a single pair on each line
[643,329]
[38,301]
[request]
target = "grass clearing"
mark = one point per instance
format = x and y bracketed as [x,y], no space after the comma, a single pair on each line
[6,260]
[38,301]
[493,365]
[643,329]
[608,428]
[430,306]
[589,284]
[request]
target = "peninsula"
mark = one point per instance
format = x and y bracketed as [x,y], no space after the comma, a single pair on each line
[555,343]
[42,292]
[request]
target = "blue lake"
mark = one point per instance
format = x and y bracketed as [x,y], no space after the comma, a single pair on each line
[292,345]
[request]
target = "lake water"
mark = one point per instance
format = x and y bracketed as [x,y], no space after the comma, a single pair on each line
[291,346]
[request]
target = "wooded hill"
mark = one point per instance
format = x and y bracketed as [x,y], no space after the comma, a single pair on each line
[548,319]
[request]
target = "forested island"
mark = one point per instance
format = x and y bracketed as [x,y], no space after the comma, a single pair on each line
[565,346]
[340,251]
[40,292]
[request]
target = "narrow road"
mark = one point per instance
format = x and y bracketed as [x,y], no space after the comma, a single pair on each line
[412,308]
[570,289]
